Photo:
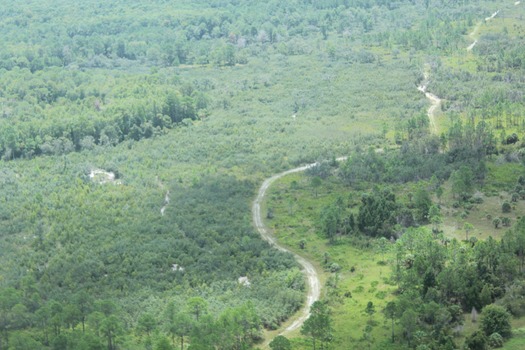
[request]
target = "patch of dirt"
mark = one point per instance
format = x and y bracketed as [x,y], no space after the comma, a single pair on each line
[102,177]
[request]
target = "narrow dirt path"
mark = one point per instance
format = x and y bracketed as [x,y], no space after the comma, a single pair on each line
[472,35]
[492,16]
[313,282]
[471,46]
[435,101]
[166,196]
[475,31]
[166,202]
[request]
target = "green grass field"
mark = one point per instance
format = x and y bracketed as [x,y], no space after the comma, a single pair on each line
[517,342]
[363,277]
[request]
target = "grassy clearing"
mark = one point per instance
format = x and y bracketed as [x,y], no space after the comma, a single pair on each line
[296,205]
[517,342]
[362,277]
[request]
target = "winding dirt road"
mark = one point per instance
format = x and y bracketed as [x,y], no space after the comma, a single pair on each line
[314,284]
[435,101]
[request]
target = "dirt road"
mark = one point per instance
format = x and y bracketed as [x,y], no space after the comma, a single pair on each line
[314,286]
[435,101]
[313,282]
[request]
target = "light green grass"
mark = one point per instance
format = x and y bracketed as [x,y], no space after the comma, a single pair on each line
[517,342]
[296,210]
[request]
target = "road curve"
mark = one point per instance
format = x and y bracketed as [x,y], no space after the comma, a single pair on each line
[314,284]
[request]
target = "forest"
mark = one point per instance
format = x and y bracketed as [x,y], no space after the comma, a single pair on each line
[134,137]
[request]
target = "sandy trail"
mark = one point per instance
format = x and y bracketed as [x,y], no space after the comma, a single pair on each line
[474,32]
[314,284]
[166,202]
[492,16]
[435,101]
[166,196]
[473,35]
[471,46]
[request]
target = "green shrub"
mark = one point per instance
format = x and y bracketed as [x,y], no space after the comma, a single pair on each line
[496,319]
[359,289]
[495,341]
[476,341]
[334,267]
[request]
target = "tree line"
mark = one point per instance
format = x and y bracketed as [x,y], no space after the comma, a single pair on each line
[58,112]
[87,323]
